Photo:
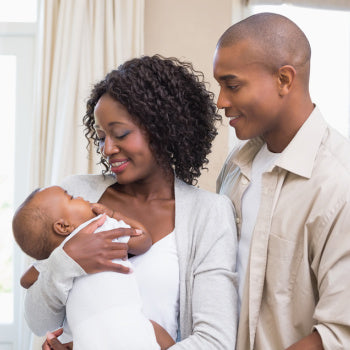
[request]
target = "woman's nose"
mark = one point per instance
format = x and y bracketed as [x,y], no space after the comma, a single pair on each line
[110,147]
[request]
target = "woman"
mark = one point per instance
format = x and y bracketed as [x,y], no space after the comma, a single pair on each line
[152,121]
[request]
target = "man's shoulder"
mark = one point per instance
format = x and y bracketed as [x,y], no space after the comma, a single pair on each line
[334,155]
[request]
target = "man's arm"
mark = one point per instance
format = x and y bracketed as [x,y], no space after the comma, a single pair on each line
[311,342]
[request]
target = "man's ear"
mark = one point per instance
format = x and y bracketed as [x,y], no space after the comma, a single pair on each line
[286,76]
[62,227]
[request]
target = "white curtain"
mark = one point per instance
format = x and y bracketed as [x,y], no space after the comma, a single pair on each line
[326,4]
[78,43]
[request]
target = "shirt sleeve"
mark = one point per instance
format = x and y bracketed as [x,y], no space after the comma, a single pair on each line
[331,265]
[45,300]
[214,290]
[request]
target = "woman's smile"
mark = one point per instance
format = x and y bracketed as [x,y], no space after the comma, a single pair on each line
[118,166]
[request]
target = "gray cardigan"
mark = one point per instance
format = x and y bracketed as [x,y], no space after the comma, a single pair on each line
[206,243]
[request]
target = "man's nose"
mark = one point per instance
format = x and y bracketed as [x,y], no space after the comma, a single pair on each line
[223,101]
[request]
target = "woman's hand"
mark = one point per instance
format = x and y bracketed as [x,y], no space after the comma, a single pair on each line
[94,253]
[52,343]
[136,245]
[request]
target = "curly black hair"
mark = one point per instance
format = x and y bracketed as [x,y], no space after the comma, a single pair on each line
[168,99]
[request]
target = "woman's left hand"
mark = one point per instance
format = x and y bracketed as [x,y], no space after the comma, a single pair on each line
[52,343]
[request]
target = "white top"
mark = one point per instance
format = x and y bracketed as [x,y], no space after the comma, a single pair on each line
[262,162]
[157,274]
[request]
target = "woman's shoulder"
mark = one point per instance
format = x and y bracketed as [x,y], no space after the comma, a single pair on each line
[87,178]
[91,187]
[202,198]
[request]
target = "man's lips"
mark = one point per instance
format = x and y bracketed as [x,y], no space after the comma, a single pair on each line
[234,119]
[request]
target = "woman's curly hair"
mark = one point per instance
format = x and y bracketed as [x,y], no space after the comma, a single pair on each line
[168,99]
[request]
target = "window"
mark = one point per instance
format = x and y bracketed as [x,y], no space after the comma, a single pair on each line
[7,100]
[329,36]
[16,70]
[18,10]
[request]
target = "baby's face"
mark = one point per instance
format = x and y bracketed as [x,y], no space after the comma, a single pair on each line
[61,205]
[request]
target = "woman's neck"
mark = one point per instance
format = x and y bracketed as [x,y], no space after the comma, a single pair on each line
[157,186]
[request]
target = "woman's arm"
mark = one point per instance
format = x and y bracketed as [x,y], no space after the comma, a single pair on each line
[164,340]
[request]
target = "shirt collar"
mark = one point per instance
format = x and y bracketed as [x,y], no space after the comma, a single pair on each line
[298,157]
[244,157]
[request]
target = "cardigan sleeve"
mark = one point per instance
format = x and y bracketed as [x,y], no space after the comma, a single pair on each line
[212,292]
[45,300]
[44,304]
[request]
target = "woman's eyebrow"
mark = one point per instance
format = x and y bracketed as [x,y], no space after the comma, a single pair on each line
[96,126]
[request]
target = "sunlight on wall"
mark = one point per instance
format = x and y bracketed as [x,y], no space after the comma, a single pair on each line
[329,34]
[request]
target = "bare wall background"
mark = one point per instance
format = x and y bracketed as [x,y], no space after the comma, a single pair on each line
[189,29]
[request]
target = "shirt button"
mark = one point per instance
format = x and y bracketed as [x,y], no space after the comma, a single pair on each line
[244,180]
[238,220]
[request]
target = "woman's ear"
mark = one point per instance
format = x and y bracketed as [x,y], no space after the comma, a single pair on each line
[286,76]
[62,227]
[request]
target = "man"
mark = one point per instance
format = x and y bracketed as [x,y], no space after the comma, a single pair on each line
[290,184]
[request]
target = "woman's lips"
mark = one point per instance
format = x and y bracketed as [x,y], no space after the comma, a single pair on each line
[119,165]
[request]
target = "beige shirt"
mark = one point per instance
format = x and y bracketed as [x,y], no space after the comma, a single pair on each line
[298,275]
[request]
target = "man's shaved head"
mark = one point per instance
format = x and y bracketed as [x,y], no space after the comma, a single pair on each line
[277,40]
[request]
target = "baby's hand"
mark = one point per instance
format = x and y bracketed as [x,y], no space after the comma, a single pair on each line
[52,343]
[98,209]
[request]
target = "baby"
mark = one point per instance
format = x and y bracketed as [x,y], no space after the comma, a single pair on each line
[103,310]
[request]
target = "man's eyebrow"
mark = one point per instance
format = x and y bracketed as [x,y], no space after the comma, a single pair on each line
[227,77]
